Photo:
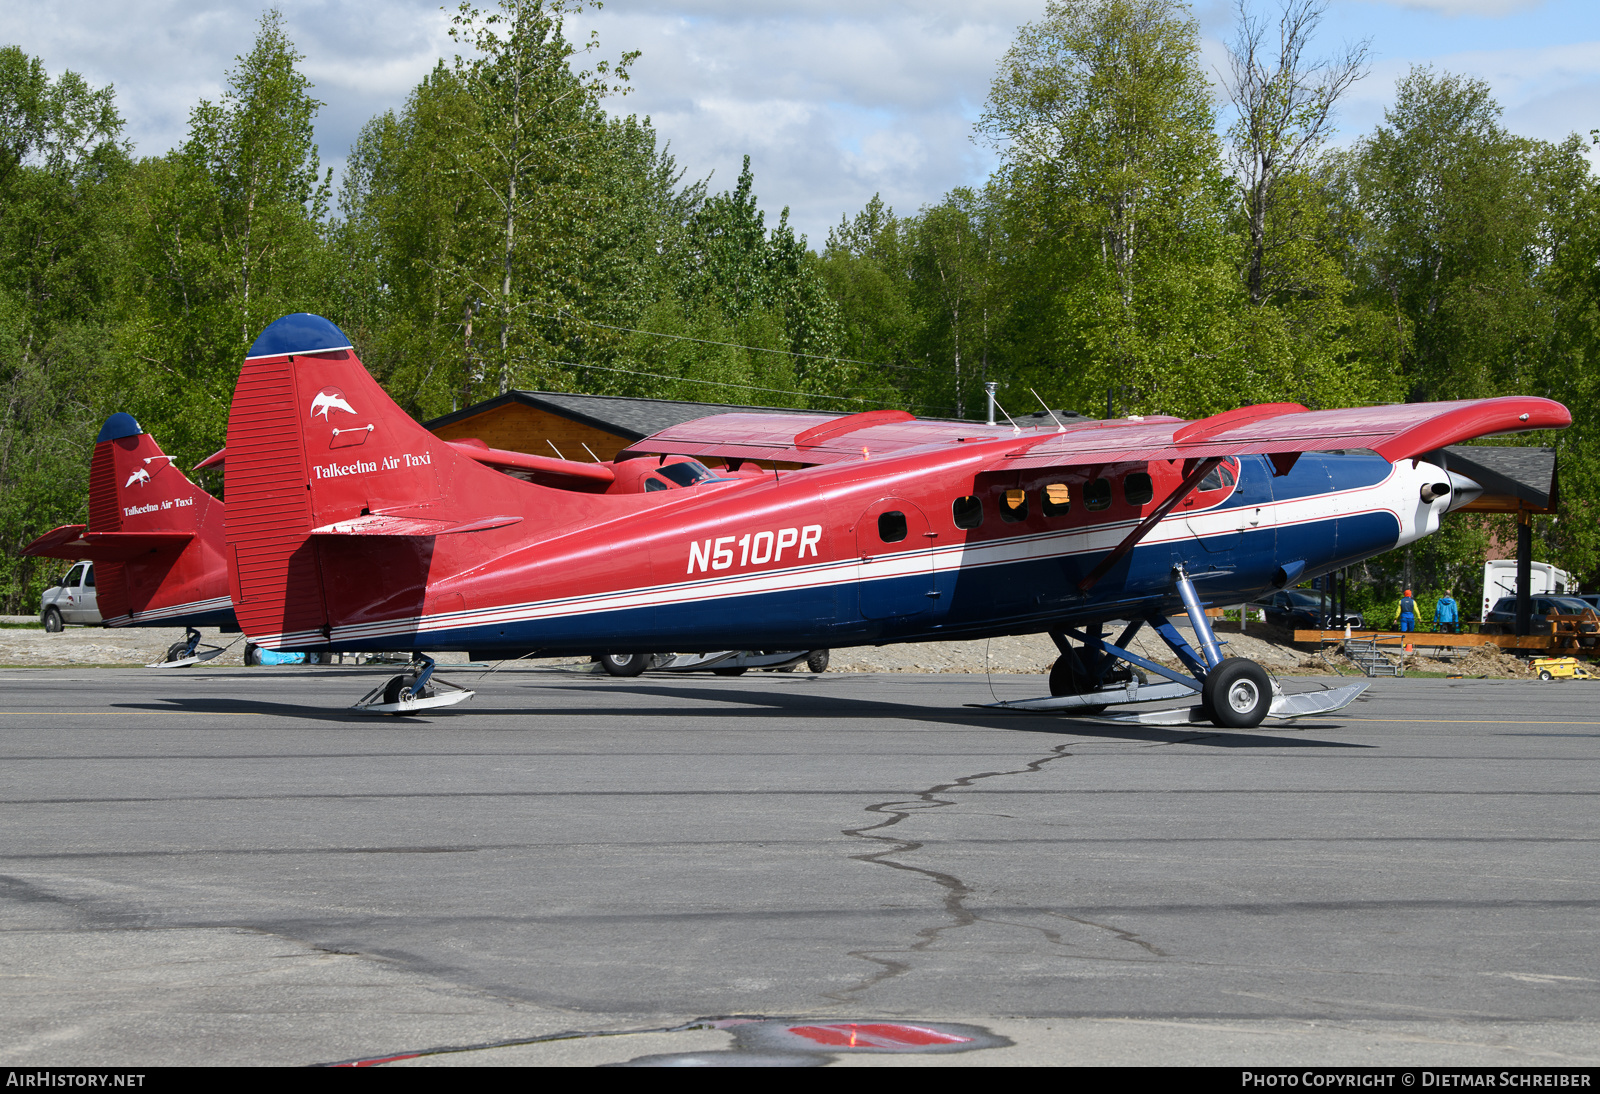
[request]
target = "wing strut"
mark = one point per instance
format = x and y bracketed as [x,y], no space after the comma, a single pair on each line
[1185,488]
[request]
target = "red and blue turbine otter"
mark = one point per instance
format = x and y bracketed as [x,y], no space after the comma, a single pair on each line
[350,527]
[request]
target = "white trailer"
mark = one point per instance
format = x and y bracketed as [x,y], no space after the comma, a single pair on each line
[1500,579]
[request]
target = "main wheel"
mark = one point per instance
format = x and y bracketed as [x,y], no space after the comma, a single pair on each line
[1544,674]
[1237,694]
[52,619]
[818,661]
[177,650]
[624,664]
[252,653]
[1069,676]
[402,688]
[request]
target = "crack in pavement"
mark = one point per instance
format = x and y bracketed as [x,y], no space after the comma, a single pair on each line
[1125,936]
[956,891]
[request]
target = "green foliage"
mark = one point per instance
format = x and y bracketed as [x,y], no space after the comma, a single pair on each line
[61,170]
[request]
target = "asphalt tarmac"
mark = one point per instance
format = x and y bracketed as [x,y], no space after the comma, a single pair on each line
[228,866]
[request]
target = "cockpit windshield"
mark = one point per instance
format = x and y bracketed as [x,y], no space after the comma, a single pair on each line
[687,472]
[1220,476]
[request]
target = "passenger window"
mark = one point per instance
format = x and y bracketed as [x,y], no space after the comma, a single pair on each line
[88,579]
[1055,499]
[1138,489]
[892,526]
[653,483]
[1014,506]
[967,512]
[1097,495]
[1227,474]
[74,576]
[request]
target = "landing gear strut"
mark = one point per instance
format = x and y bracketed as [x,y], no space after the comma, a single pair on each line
[413,691]
[188,651]
[1234,693]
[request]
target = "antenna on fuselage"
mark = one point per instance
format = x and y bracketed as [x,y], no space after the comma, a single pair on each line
[1060,427]
[1015,428]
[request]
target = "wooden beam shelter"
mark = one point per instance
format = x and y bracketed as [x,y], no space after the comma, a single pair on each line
[1441,641]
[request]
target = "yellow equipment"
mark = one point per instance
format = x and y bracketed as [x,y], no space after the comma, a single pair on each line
[1561,668]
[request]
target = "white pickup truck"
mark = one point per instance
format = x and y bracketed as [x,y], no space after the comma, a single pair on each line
[70,600]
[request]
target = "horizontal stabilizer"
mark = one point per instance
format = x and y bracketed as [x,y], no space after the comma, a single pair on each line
[505,460]
[387,524]
[71,542]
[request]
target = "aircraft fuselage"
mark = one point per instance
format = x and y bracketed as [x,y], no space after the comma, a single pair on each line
[874,551]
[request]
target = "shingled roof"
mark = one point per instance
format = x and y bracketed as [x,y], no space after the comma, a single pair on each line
[1527,475]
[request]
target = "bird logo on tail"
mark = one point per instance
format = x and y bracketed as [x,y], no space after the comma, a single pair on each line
[328,399]
[140,476]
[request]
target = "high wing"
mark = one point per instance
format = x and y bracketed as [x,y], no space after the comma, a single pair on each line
[812,438]
[71,542]
[1394,432]
[592,474]
[1397,432]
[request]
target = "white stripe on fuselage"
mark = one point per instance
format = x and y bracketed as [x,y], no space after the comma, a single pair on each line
[1384,496]
[196,607]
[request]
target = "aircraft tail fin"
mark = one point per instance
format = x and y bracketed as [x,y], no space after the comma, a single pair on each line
[155,538]
[336,496]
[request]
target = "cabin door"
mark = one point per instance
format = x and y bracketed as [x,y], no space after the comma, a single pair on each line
[894,546]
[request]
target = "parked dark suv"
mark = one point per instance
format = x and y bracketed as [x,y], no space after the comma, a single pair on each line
[1502,619]
[1299,608]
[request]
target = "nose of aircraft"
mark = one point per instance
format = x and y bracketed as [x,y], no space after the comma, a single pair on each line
[1463,491]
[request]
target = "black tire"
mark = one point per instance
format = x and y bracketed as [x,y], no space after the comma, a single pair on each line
[818,661]
[734,671]
[624,664]
[1068,676]
[1237,694]
[401,686]
[1544,674]
[252,654]
[52,620]
[177,650]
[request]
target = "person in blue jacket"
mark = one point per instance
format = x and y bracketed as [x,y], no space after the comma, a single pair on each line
[1446,615]
[1408,612]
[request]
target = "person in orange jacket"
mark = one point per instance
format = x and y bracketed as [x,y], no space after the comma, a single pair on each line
[1408,613]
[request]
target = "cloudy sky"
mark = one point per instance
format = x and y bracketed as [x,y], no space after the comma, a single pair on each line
[834,100]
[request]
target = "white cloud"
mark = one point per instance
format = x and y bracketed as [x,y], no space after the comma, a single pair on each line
[163,56]
[833,99]
[1545,92]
